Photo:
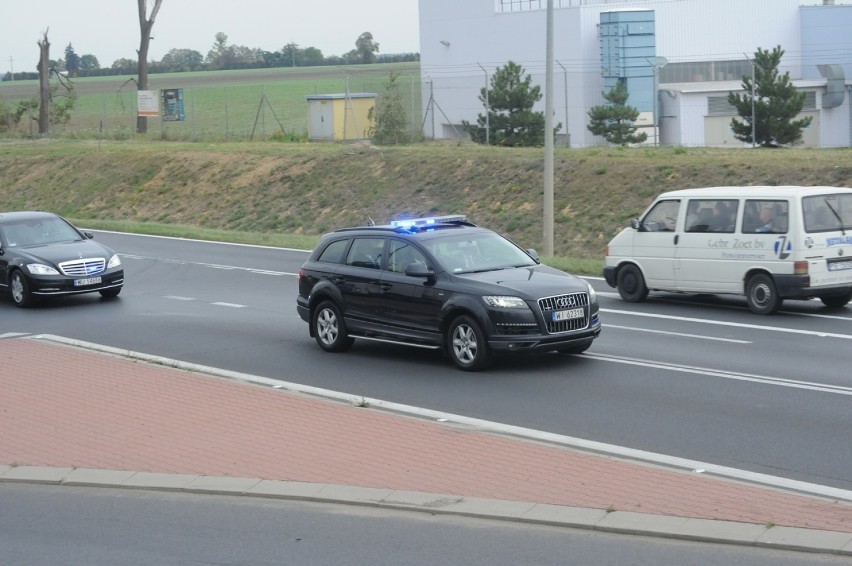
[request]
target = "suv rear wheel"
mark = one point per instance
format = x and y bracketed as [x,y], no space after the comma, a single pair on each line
[329,330]
[467,345]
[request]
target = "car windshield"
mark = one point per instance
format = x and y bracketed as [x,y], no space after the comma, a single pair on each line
[39,232]
[481,251]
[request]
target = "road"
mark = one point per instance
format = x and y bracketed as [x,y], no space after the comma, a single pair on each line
[96,526]
[700,378]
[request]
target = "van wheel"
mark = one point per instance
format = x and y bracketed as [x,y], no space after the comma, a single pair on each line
[837,301]
[761,295]
[631,284]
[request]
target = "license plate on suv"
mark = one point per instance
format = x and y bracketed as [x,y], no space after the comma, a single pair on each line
[567,315]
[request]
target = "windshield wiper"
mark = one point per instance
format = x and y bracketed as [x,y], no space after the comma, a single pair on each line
[836,215]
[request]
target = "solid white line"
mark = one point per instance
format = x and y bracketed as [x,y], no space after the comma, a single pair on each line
[679,334]
[577,443]
[733,324]
[754,378]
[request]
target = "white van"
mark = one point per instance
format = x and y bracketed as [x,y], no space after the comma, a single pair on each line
[767,243]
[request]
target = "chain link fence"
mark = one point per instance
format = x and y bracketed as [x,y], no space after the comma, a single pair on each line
[218,106]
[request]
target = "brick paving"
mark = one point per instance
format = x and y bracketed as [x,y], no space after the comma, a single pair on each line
[62,406]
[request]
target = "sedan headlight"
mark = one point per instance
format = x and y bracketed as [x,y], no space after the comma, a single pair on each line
[41,269]
[113,261]
[501,302]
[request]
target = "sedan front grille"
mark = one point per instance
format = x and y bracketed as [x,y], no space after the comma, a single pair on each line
[551,305]
[82,267]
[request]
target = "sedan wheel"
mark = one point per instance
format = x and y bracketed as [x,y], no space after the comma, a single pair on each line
[20,287]
[467,346]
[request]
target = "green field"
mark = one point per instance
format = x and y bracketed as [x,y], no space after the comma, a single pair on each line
[221,105]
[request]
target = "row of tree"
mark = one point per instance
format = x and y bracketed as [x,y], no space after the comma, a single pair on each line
[767,109]
[223,56]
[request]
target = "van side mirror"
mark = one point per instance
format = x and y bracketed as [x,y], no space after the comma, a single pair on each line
[635,224]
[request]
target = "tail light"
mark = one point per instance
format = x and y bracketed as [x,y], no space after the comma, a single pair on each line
[800,268]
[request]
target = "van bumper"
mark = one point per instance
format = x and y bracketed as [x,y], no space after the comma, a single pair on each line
[798,287]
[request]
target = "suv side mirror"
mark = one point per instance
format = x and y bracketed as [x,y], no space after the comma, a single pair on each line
[417,269]
[534,255]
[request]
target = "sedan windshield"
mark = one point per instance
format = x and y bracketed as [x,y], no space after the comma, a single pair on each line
[485,251]
[39,232]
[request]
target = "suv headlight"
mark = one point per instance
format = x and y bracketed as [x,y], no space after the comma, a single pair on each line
[113,261]
[592,295]
[502,302]
[41,269]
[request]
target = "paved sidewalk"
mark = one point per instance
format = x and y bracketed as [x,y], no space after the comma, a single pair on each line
[77,416]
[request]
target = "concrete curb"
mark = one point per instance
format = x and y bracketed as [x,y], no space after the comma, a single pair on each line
[620,522]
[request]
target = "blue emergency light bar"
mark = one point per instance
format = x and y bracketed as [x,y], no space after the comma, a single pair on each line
[426,222]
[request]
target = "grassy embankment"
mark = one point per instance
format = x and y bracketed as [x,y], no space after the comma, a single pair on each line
[284,194]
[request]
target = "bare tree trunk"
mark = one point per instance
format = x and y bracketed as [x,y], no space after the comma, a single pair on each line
[44,86]
[146,24]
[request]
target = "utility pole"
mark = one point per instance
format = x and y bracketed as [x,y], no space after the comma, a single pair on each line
[548,136]
[11,69]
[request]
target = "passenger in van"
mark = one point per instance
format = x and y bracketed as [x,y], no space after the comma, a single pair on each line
[723,218]
[767,215]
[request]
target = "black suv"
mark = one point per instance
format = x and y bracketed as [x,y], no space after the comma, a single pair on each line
[442,283]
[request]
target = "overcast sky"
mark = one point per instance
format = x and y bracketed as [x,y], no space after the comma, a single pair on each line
[109,29]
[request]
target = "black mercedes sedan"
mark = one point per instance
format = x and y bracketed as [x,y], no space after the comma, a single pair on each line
[442,283]
[42,254]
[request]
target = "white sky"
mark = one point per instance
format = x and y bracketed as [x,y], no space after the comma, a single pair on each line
[109,29]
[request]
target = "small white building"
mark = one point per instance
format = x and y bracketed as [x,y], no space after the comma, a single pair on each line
[689,53]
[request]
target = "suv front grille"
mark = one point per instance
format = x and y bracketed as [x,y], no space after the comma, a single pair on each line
[549,305]
[82,267]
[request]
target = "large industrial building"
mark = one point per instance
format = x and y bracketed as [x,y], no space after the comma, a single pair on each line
[678,58]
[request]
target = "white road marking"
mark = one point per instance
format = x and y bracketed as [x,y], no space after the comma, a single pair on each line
[737,376]
[734,324]
[179,298]
[681,334]
[231,305]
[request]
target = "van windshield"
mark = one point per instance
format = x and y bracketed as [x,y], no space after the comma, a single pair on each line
[827,213]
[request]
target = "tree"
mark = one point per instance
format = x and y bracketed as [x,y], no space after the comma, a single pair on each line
[391,121]
[614,121]
[510,120]
[217,56]
[366,48]
[72,61]
[775,102]
[181,60]
[146,24]
[44,85]
[89,62]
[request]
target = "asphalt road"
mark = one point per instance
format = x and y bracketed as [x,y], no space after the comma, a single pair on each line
[694,377]
[103,527]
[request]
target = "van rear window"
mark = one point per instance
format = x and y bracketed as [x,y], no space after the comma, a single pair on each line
[827,213]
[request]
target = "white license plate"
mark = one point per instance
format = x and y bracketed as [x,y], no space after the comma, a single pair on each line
[840,266]
[567,315]
[87,281]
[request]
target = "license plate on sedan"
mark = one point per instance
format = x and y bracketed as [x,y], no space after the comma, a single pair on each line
[86,282]
[567,315]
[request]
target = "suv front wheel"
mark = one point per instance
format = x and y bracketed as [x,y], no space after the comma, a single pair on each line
[329,329]
[466,344]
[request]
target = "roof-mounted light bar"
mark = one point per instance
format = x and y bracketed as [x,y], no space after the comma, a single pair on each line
[426,222]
